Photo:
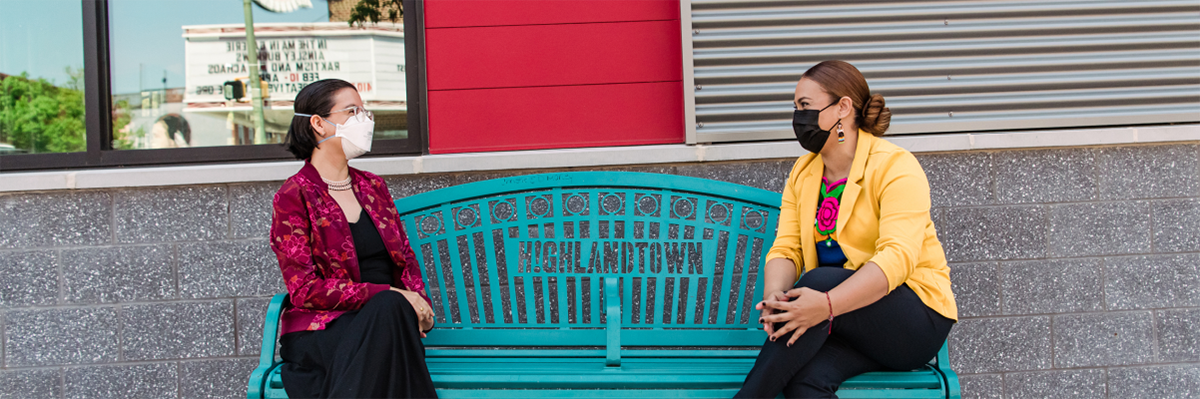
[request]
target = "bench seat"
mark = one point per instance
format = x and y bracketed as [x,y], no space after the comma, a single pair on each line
[665,378]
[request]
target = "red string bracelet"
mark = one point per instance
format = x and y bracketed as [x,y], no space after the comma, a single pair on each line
[830,302]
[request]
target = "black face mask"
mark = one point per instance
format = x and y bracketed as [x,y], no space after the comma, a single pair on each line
[808,130]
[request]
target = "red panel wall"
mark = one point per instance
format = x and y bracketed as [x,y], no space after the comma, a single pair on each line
[463,13]
[556,117]
[514,75]
[549,55]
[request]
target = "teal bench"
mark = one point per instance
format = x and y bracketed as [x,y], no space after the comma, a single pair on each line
[590,284]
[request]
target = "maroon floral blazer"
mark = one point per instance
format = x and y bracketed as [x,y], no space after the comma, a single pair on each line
[311,237]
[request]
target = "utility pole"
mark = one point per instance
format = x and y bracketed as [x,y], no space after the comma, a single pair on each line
[255,84]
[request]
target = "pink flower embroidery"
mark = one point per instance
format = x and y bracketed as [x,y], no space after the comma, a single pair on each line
[294,247]
[827,216]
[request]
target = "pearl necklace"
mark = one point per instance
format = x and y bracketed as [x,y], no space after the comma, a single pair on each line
[343,185]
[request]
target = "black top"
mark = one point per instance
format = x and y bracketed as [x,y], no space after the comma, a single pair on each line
[374,264]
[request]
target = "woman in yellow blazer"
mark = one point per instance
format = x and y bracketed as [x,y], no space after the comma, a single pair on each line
[874,290]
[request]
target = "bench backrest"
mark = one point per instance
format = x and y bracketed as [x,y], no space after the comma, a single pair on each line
[522,261]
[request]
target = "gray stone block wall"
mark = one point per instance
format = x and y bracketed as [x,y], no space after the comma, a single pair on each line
[1076,270]
[134,293]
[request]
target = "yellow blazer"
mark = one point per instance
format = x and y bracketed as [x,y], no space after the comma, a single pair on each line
[883,217]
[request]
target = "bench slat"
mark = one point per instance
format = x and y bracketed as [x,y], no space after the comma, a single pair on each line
[634,373]
[851,389]
[584,353]
[591,337]
[668,394]
[691,381]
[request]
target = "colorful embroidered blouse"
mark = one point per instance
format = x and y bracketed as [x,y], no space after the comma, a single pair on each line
[829,253]
[311,237]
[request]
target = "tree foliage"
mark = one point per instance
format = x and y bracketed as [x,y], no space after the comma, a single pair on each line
[373,11]
[37,116]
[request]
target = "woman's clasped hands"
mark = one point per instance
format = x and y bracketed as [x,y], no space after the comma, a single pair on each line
[799,309]
[424,312]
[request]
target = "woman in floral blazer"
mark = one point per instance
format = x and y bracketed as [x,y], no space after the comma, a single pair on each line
[357,303]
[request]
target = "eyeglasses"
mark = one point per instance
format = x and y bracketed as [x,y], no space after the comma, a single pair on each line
[358,113]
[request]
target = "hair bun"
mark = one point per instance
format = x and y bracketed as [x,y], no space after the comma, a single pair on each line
[876,118]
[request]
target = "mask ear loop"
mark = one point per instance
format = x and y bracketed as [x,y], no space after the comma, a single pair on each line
[322,118]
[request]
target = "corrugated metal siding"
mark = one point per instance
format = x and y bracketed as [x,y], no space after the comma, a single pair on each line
[951,66]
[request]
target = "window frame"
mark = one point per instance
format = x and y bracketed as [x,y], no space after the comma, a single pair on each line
[98,111]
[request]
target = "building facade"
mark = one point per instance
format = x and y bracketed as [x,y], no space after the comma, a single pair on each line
[1061,142]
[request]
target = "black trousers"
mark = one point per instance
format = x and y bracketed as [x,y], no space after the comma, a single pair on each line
[897,332]
[375,352]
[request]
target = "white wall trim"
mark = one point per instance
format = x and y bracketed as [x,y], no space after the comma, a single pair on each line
[689,72]
[578,157]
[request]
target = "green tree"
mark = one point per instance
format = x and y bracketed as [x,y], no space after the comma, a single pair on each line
[38,117]
[373,11]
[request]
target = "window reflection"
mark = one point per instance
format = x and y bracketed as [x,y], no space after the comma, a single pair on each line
[41,77]
[180,70]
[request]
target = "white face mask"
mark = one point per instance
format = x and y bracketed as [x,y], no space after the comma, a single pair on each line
[356,136]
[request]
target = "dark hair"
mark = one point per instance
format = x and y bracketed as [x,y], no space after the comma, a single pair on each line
[840,79]
[177,126]
[314,99]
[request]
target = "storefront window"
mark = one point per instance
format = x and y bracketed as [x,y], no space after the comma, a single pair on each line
[181,77]
[41,77]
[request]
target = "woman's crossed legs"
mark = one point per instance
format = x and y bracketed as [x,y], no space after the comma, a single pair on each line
[898,332]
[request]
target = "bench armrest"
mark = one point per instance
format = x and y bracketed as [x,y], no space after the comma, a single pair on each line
[612,301]
[953,388]
[266,358]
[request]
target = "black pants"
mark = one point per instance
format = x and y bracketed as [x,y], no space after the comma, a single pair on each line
[375,352]
[897,332]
